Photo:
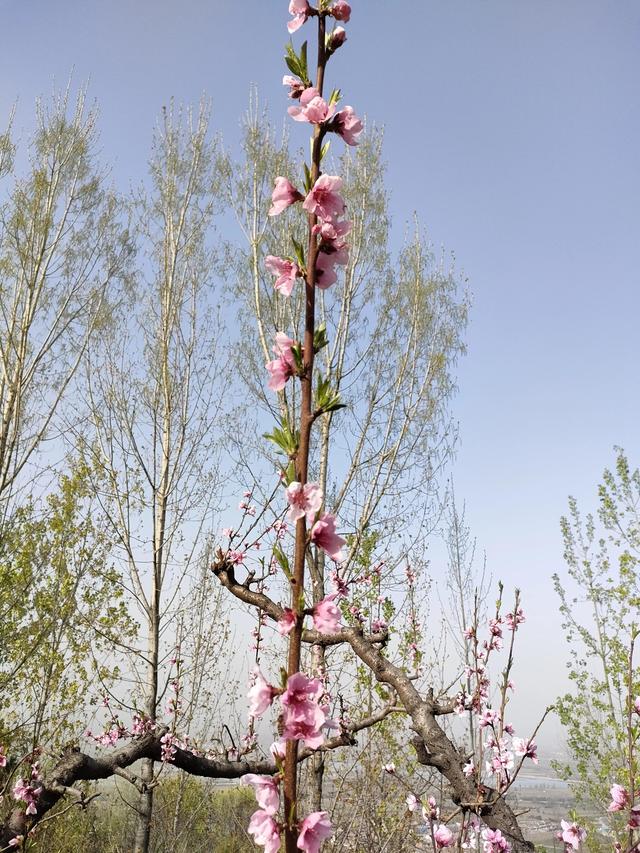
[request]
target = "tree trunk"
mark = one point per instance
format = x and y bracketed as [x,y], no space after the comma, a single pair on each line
[145,811]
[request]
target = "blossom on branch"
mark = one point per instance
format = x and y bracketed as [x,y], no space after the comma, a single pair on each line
[283,367]
[260,694]
[527,748]
[323,534]
[296,86]
[265,831]
[286,623]
[341,11]
[302,716]
[443,836]
[266,791]
[28,794]
[495,842]
[326,615]
[572,834]
[314,829]
[347,125]
[303,501]
[325,271]
[335,40]
[619,798]
[313,108]
[300,10]
[283,196]
[287,272]
[324,199]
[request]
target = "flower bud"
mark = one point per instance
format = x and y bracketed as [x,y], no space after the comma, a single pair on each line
[335,40]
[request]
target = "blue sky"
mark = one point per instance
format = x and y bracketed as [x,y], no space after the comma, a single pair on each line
[513,130]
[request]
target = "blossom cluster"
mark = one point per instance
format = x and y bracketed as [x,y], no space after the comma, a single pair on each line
[29,791]
[304,713]
[303,718]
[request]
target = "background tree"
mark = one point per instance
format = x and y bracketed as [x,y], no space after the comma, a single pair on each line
[154,396]
[599,603]
[63,248]
[58,628]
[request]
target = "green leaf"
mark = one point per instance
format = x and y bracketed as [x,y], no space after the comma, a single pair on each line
[304,72]
[284,438]
[296,351]
[327,400]
[307,179]
[299,253]
[282,559]
[320,340]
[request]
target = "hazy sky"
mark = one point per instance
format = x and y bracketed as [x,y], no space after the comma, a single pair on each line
[513,130]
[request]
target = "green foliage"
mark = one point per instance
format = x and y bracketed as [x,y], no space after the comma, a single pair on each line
[600,618]
[297,63]
[285,438]
[327,399]
[62,610]
[190,815]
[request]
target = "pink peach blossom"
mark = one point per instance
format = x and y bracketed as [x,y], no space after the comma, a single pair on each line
[314,829]
[26,792]
[332,233]
[324,199]
[300,10]
[526,748]
[287,272]
[515,619]
[313,108]
[341,11]
[572,834]
[283,367]
[347,124]
[326,615]
[283,196]
[302,716]
[323,534]
[325,271]
[260,694]
[286,622]
[494,841]
[619,798]
[266,790]
[265,831]
[303,501]
[443,836]
[278,750]
[296,87]
[340,585]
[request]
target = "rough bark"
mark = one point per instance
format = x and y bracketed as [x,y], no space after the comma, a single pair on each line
[76,766]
